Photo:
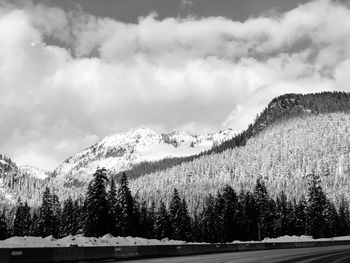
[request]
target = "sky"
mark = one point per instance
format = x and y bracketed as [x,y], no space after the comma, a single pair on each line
[73,72]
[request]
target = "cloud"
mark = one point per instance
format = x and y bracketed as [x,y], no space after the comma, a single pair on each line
[68,78]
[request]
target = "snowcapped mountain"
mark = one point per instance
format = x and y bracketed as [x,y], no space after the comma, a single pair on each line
[34,172]
[121,151]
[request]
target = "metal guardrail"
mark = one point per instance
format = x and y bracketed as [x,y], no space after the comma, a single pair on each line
[71,254]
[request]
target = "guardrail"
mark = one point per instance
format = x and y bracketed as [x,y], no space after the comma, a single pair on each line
[71,254]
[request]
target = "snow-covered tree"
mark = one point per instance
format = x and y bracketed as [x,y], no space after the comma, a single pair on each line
[162,224]
[127,217]
[97,216]
[315,221]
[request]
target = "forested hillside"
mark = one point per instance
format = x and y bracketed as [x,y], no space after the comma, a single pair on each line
[295,135]
[283,154]
[15,183]
[279,109]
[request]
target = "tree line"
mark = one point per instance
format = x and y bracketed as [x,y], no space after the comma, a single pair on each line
[225,217]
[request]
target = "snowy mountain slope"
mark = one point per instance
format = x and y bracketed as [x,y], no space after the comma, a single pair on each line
[121,151]
[34,172]
[283,154]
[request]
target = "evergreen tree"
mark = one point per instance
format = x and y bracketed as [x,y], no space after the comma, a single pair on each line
[208,220]
[344,218]
[35,226]
[300,216]
[162,224]
[147,218]
[112,201]
[186,221]
[197,227]
[151,220]
[331,219]
[315,222]
[3,226]
[290,221]
[57,211]
[262,207]
[22,222]
[248,218]
[79,212]
[230,214]
[127,217]
[177,220]
[68,219]
[219,222]
[46,220]
[143,226]
[282,212]
[97,215]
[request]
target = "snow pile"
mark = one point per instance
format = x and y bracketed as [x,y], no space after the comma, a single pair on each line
[27,242]
[290,239]
[81,241]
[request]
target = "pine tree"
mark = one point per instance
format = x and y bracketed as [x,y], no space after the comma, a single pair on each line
[186,221]
[315,222]
[97,215]
[79,218]
[127,218]
[57,211]
[208,221]
[35,220]
[3,226]
[162,224]
[219,222]
[331,219]
[17,224]
[344,218]
[113,207]
[230,214]
[68,218]
[47,220]
[290,221]
[262,207]
[176,212]
[143,226]
[248,217]
[282,213]
[300,216]
[146,220]
[151,220]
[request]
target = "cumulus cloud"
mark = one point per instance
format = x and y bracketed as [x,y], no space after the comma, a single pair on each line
[68,78]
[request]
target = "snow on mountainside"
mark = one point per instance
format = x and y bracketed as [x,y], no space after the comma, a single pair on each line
[121,151]
[34,172]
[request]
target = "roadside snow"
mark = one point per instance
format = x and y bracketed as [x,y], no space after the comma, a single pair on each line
[290,239]
[109,240]
[81,241]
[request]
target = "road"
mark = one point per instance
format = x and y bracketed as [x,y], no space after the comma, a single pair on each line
[332,254]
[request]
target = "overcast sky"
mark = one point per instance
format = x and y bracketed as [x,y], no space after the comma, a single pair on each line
[72,72]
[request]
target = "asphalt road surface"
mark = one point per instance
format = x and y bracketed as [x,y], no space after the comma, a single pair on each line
[331,254]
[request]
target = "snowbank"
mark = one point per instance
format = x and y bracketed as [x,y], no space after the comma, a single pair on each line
[294,239]
[109,240]
[81,241]
[290,239]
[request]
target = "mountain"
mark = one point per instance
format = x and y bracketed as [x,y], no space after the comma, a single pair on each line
[294,136]
[34,172]
[284,154]
[23,182]
[121,152]
[285,107]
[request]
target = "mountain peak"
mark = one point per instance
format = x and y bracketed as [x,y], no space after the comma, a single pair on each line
[122,151]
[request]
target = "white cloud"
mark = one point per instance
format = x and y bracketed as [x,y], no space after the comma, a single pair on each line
[68,78]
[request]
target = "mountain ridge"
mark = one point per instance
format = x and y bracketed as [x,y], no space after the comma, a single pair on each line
[121,151]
